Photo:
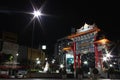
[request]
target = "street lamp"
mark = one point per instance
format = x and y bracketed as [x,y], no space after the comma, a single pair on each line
[44,47]
[17,57]
[36,14]
[85,62]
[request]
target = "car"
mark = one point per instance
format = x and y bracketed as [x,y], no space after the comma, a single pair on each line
[12,76]
[4,76]
[19,75]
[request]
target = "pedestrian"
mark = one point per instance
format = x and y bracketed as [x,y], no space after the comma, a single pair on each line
[95,74]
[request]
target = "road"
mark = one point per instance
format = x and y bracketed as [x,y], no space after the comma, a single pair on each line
[56,79]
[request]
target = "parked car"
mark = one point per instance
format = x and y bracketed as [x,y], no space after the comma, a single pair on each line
[12,76]
[19,75]
[4,74]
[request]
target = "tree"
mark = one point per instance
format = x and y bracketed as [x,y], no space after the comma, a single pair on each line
[6,57]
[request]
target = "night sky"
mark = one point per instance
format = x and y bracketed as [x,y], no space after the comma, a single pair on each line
[61,16]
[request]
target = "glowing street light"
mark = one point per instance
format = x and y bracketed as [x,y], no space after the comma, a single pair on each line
[37,13]
[85,62]
[17,54]
[17,57]
[61,66]
[105,58]
[108,55]
[111,65]
[38,62]
[44,47]
[37,59]
[53,61]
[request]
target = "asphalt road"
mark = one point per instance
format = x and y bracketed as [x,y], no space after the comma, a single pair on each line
[57,79]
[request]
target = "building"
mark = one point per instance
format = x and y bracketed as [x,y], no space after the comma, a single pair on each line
[9,43]
[22,55]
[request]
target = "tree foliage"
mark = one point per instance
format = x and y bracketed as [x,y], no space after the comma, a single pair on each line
[6,57]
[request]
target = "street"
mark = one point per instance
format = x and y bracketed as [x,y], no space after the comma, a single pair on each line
[56,79]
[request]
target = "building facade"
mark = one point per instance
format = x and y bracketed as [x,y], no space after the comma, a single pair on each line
[21,55]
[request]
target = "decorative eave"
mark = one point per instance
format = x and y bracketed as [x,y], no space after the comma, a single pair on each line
[95,29]
[102,41]
[67,48]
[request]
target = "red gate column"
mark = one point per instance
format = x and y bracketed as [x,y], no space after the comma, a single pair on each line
[74,50]
[74,54]
[79,61]
[96,52]
[96,55]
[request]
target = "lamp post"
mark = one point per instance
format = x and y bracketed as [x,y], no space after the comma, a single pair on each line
[36,14]
[17,57]
[43,47]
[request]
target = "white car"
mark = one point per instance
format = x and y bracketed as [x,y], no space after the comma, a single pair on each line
[20,75]
[12,76]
